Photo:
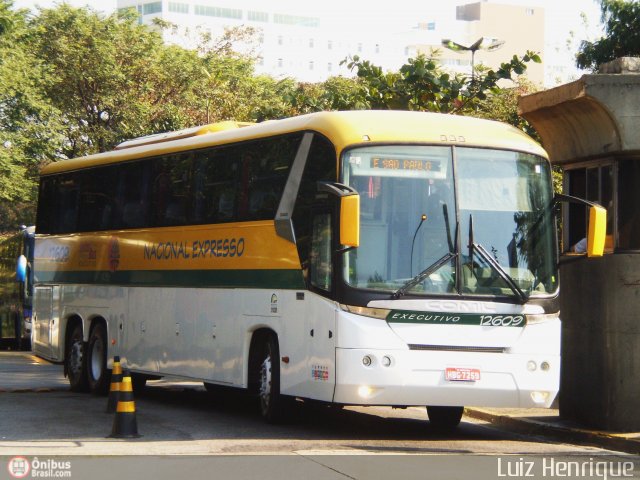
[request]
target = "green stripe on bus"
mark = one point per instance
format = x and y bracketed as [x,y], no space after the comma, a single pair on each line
[287,279]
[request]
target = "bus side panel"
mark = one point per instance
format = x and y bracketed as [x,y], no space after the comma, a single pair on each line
[316,374]
[184,331]
[143,343]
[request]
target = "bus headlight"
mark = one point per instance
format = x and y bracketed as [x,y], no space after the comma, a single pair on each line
[364,391]
[380,313]
[539,397]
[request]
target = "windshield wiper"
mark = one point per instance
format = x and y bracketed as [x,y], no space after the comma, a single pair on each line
[423,274]
[493,263]
[523,297]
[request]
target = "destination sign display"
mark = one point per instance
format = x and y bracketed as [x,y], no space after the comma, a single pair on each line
[405,164]
[426,162]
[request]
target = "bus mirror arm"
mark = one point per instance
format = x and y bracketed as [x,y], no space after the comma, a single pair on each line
[337,189]
[597,228]
[561,197]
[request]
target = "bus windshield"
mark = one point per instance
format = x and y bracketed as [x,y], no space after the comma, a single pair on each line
[452,221]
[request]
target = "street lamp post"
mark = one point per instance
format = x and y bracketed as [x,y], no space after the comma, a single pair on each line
[483,43]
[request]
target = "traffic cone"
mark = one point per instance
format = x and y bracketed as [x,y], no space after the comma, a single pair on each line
[114,388]
[124,423]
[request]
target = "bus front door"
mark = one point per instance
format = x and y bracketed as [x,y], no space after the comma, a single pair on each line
[42,322]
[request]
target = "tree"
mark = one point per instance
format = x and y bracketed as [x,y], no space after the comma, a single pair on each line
[502,105]
[111,77]
[621,20]
[30,128]
[134,83]
[422,85]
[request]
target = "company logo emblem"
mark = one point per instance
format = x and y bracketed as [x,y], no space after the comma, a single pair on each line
[114,254]
[87,255]
[19,467]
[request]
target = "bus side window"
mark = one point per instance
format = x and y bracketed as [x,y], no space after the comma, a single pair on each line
[320,166]
[320,271]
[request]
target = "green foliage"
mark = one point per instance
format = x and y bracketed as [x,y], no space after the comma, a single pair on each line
[105,75]
[30,128]
[502,105]
[621,20]
[421,84]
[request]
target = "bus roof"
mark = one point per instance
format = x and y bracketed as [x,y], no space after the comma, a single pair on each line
[344,129]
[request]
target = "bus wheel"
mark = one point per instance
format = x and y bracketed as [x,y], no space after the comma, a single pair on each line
[445,418]
[75,363]
[97,373]
[271,402]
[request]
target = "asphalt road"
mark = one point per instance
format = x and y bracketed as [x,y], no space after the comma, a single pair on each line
[39,413]
[39,416]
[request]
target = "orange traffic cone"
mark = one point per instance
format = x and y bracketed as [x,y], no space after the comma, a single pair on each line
[124,423]
[114,388]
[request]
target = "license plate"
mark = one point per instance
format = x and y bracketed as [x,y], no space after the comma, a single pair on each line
[462,374]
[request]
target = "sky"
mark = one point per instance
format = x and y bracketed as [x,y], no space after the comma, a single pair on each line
[567,21]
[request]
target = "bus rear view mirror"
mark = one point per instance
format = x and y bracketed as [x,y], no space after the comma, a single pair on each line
[597,231]
[350,220]
[349,211]
[21,269]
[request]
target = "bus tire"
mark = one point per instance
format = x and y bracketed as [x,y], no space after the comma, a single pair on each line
[445,418]
[271,402]
[98,375]
[75,364]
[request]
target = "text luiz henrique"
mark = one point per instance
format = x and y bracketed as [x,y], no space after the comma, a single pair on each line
[197,249]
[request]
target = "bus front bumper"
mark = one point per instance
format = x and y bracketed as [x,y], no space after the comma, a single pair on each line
[414,377]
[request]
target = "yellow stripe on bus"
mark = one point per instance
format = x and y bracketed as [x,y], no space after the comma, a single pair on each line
[232,246]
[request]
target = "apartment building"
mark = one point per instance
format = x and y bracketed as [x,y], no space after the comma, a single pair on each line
[520,28]
[291,43]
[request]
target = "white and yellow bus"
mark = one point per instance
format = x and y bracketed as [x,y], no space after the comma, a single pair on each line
[355,258]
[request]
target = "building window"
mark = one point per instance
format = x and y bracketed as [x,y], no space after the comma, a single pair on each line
[280,40]
[330,45]
[431,26]
[311,43]
[530,11]
[628,201]
[594,183]
[149,8]
[176,7]
[359,48]
[295,20]
[377,48]
[311,65]
[280,63]
[329,67]
[208,11]
[257,16]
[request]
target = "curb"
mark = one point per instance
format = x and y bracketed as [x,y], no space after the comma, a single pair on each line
[580,436]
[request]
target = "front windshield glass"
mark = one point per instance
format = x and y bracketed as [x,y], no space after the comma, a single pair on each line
[409,210]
